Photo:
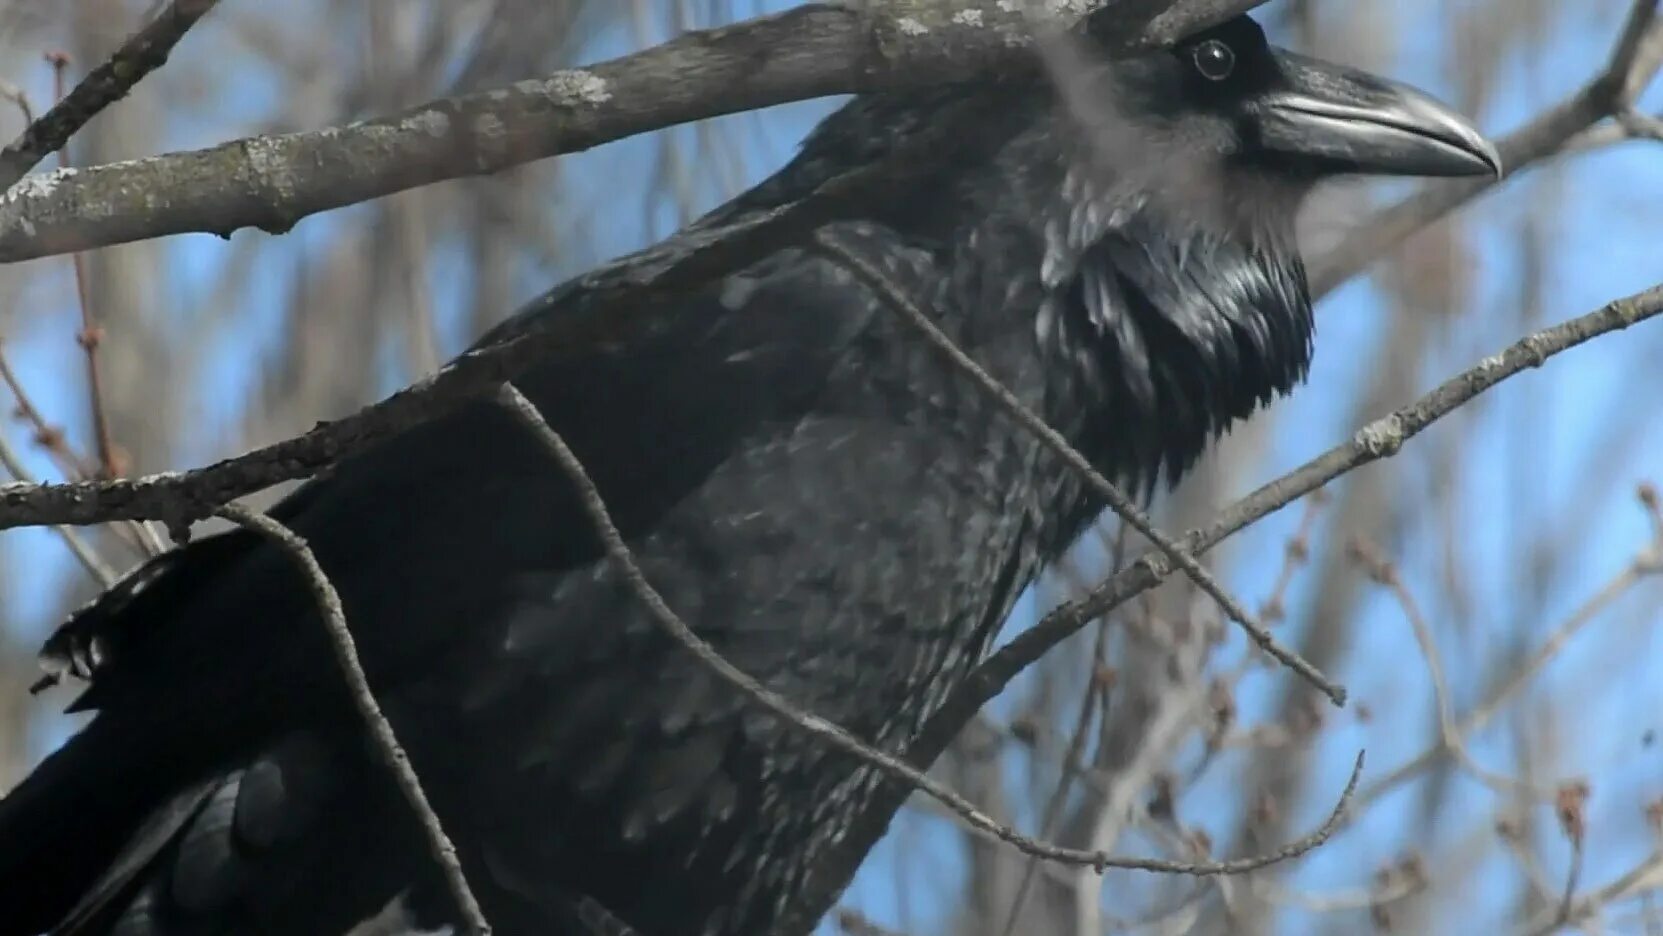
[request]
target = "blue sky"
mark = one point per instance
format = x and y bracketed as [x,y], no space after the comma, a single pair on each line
[1607,242]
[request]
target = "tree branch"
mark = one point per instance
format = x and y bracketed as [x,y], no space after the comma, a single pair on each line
[381,731]
[140,55]
[814,50]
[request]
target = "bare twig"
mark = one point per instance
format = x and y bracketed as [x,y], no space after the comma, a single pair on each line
[1639,124]
[1572,877]
[47,436]
[1122,505]
[1646,875]
[1513,839]
[111,463]
[141,54]
[1384,572]
[19,98]
[1392,884]
[90,333]
[1648,562]
[56,443]
[1295,552]
[82,550]
[1070,761]
[623,560]
[386,742]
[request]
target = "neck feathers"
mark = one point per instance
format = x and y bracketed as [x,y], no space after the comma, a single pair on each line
[1171,314]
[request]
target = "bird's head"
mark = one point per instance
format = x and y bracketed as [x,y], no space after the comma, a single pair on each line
[1174,286]
[1225,109]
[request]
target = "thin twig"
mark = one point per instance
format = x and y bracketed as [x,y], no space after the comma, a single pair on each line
[1513,840]
[1399,884]
[1450,735]
[18,97]
[74,466]
[90,335]
[386,742]
[1295,552]
[47,436]
[1122,505]
[140,55]
[1630,575]
[83,551]
[623,560]
[1567,899]
[1642,125]
[1646,875]
[1059,795]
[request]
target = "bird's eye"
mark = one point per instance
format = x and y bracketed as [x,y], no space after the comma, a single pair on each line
[1214,60]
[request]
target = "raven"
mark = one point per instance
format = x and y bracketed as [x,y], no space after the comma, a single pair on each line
[824,497]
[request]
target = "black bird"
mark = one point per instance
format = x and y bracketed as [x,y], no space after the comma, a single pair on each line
[817,491]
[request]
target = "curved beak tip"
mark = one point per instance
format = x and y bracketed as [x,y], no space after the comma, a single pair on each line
[1371,125]
[1492,157]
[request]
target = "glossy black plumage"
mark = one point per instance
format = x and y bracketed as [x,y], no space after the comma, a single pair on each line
[812,487]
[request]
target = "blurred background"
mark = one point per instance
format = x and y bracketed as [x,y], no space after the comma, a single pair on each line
[1483,595]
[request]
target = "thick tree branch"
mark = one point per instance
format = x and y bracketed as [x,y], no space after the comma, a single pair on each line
[140,55]
[815,50]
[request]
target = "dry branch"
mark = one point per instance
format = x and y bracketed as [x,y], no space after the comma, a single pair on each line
[140,55]
[78,546]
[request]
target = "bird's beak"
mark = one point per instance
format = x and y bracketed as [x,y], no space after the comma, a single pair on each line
[1351,121]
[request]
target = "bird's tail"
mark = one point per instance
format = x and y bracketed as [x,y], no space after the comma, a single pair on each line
[64,825]
[67,825]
